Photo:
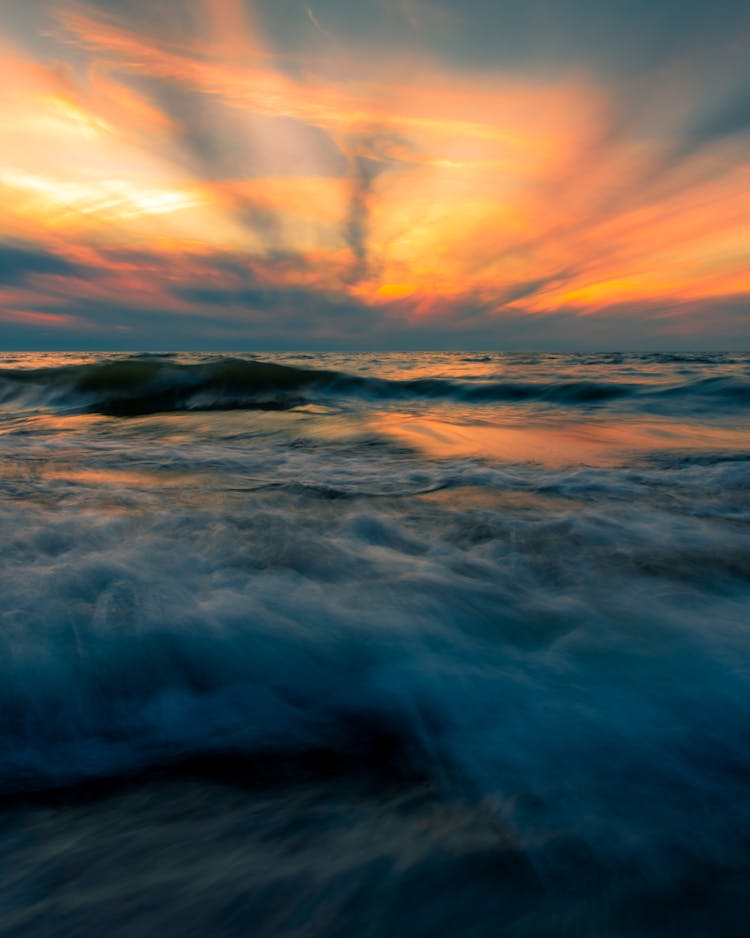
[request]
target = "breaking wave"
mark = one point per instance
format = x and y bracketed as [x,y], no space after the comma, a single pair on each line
[360,670]
[153,384]
[536,658]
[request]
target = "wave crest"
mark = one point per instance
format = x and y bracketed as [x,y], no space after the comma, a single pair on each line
[148,385]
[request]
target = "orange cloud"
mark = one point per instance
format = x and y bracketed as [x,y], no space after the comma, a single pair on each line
[525,194]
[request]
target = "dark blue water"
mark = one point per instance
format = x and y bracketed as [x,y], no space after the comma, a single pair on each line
[426,644]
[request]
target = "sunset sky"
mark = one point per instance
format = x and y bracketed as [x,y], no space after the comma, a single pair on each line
[553,174]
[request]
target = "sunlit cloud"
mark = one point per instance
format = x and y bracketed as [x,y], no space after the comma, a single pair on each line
[426,193]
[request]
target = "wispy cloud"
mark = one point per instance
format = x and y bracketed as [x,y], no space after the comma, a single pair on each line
[442,199]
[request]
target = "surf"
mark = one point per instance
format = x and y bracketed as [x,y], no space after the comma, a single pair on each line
[140,386]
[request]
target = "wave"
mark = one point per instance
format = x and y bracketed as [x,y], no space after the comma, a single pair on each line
[477,645]
[140,386]
[149,385]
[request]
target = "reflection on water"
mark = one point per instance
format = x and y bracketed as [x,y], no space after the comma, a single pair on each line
[556,444]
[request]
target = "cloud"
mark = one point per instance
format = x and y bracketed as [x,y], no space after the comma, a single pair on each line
[219,168]
[222,301]
[356,225]
[18,264]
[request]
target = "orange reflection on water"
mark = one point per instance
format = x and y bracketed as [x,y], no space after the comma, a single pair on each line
[555,445]
[116,477]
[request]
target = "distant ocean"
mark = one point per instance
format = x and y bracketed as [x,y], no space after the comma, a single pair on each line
[374,645]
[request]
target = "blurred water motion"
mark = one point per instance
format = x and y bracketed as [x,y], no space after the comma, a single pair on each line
[374,644]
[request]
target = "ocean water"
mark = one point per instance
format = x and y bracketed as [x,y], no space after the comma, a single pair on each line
[374,645]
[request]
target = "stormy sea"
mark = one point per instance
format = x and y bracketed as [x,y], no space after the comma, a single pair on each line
[374,645]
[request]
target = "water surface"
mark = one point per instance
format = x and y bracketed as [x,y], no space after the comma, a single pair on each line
[374,644]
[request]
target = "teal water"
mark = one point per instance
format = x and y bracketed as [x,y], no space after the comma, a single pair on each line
[422,644]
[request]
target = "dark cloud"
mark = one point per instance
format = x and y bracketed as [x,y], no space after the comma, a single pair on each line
[371,155]
[290,316]
[617,37]
[522,291]
[356,225]
[255,317]
[728,118]
[216,296]
[18,263]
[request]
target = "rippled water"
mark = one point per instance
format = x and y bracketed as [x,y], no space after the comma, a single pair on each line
[424,644]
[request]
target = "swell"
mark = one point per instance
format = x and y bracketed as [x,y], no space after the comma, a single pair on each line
[140,386]
[148,385]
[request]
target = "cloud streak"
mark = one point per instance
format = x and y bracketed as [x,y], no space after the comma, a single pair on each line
[213,168]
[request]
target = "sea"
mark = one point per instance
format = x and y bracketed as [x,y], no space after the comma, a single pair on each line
[374,645]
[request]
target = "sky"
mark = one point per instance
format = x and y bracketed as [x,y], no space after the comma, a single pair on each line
[375,174]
